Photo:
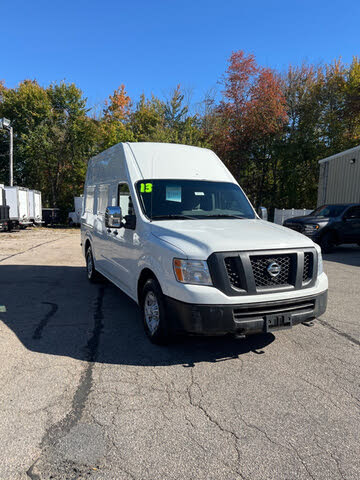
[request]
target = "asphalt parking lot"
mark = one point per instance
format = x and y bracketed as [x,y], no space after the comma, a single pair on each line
[85,395]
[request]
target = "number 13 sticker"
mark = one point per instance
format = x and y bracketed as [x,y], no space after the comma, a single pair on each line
[146,187]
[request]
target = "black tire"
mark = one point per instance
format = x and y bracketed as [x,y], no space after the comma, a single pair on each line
[327,242]
[92,274]
[157,330]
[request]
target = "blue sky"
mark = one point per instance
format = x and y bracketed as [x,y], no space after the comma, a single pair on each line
[151,46]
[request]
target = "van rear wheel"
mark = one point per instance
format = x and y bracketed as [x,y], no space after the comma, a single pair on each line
[92,274]
[153,311]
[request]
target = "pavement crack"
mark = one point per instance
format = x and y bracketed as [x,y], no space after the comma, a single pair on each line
[337,462]
[331,455]
[206,452]
[328,394]
[31,474]
[289,448]
[58,430]
[302,461]
[122,467]
[338,332]
[197,404]
[44,321]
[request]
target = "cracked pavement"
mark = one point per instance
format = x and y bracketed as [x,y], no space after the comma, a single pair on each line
[85,395]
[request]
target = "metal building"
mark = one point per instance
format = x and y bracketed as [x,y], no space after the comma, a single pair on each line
[339,179]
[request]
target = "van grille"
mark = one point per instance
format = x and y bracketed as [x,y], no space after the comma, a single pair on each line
[261,275]
[308,266]
[233,272]
[260,311]
[248,273]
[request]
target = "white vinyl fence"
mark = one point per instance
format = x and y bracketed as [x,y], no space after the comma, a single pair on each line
[281,214]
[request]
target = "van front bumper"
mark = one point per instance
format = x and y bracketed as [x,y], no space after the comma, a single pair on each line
[243,319]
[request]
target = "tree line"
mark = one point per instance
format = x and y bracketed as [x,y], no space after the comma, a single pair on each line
[269,128]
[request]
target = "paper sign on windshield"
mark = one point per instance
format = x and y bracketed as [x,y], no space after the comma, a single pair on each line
[173,194]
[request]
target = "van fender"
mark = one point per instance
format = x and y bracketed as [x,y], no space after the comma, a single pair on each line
[88,240]
[156,267]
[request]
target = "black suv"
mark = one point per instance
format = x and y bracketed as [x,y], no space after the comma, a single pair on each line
[330,225]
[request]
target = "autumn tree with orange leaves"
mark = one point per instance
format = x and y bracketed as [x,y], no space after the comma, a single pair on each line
[250,115]
[114,124]
[118,107]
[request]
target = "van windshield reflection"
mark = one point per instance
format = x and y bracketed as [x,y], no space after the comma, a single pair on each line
[192,199]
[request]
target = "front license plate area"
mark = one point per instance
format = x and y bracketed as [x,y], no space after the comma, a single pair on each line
[276,322]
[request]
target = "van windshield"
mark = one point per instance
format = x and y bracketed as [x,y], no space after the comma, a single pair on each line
[192,199]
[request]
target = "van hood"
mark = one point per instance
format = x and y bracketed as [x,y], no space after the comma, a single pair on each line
[200,238]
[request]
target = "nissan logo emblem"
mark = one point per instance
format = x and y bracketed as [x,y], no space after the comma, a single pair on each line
[273,269]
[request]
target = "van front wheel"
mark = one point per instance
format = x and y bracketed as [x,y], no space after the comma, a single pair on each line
[153,311]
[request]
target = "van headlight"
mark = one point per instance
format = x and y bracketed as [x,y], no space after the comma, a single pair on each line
[192,271]
[320,264]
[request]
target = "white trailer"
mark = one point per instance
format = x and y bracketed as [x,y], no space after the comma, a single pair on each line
[75,217]
[38,207]
[35,207]
[2,195]
[31,205]
[18,200]
[4,210]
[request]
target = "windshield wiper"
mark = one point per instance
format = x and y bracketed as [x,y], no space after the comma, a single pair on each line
[178,216]
[172,216]
[224,216]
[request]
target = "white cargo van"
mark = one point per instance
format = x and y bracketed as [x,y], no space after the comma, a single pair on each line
[170,226]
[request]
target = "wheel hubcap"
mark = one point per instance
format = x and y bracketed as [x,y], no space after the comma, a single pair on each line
[152,312]
[89,264]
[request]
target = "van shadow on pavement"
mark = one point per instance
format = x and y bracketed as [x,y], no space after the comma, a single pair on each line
[55,310]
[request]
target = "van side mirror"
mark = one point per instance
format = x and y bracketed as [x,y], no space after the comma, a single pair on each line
[113,217]
[262,212]
[130,222]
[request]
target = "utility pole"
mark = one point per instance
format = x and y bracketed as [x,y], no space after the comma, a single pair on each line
[11,157]
[6,125]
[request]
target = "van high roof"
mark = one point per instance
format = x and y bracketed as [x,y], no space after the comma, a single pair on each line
[169,160]
[146,160]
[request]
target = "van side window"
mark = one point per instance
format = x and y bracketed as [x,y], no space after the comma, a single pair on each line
[89,203]
[125,201]
[103,198]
